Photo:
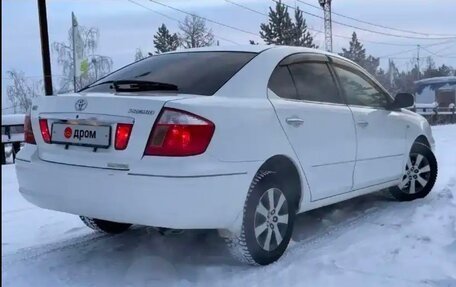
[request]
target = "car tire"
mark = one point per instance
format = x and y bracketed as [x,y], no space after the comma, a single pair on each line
[420,174]
[266,230]
[104,225]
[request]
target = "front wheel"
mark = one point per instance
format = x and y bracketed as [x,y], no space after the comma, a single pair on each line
[269,213]
[419,176]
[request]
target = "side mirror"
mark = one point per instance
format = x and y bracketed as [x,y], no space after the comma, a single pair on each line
[403,100]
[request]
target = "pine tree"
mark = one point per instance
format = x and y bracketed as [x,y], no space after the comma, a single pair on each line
[301,35]
[194,33]
[164,41]
[279,29]
[357,53]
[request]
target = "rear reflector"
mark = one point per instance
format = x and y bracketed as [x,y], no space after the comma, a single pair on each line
[179,133]
[123,132]
[45,131]
[28,132]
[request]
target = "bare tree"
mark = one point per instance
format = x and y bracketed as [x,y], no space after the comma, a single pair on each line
[194,33]
[93,67]
[21,91]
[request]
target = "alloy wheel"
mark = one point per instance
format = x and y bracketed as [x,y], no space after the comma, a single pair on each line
[417,174]
[271,219]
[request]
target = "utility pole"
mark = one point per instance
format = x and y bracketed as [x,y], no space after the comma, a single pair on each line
[45,54]
[74,26]
[418,60]
[326,5]
[390,72]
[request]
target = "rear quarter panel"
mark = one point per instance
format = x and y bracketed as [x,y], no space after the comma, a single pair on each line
[245,129]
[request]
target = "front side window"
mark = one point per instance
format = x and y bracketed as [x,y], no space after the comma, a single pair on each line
[200,73]
[314,82]
[359,91]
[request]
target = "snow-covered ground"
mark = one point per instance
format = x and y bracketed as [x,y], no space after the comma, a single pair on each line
[369,241]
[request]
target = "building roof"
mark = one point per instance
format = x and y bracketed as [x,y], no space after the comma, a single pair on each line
[13,119]
[437,80]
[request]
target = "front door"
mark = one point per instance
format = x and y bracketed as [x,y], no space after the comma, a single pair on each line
[317,123]
[381,134]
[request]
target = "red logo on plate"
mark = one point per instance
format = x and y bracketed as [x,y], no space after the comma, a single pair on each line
[68,132]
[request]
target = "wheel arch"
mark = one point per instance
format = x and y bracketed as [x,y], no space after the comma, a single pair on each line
[422,139]
[285,166]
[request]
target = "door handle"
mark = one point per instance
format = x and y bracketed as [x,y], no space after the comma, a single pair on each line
[296,122]
[362,124]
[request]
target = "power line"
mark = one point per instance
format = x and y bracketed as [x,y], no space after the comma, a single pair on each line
[445,48]
[360,28]
[176,20]
[398,53]
[207,19]
[247,8]
[152,10]
[377,25]
[437,55]
[335,35]
[414,49]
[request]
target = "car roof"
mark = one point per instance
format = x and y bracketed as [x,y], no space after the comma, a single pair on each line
[233,48]
[261,48]
[251,48]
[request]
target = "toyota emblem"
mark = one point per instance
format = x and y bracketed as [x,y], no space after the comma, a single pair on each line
[80,105]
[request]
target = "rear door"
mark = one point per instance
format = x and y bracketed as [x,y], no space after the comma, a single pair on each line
[381,134]
[316,121]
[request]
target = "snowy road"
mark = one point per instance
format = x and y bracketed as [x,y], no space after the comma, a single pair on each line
[368,241]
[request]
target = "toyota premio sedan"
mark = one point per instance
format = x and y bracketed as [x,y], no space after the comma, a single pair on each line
[236,139]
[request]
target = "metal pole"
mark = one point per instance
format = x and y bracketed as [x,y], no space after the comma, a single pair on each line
[73,26]
[418,60]
[326,5]
[45,54]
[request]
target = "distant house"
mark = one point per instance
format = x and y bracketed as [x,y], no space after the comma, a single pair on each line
[438,92]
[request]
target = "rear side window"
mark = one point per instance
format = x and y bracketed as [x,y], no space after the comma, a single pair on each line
[282,84]
[314,82]
[201,73]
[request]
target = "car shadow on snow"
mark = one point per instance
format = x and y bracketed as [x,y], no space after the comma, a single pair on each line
[314,223]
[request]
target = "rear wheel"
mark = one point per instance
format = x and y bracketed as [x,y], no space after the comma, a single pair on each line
[269,213]
[104,225]
[419,175]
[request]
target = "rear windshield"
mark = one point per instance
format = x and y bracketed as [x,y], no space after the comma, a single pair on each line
[201,73]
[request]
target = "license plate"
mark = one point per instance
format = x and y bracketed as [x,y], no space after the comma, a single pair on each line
[83,135]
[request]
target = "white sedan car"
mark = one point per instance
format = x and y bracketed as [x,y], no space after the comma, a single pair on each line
[236,139]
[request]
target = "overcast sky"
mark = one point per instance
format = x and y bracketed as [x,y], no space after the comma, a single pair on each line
[124,27]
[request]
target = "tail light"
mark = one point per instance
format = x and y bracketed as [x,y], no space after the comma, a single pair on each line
[45,130]
[28,132]
[179,133]
[123,132]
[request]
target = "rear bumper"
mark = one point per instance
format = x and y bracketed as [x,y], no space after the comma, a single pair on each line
[213,201]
